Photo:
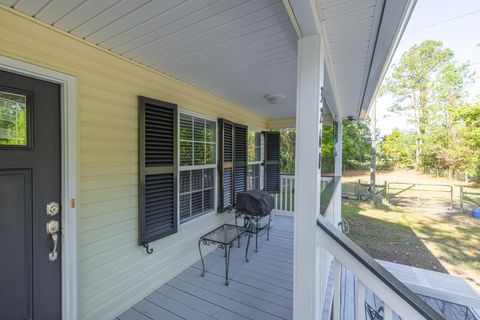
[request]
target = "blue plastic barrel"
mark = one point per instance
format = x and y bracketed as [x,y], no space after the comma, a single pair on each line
[476,213]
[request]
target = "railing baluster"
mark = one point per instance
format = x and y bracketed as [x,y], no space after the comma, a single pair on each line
[387,312]
[360,305]
[287,185]
[285,193]
[337,283]
[290,197]
[282,190]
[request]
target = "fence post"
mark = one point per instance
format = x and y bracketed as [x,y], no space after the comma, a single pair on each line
[385,192]
[358,190]
[451,198]
[418,195]
[388,193]
[461,199]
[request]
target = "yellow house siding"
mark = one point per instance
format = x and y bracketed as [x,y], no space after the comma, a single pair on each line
[114,273]
[281,123]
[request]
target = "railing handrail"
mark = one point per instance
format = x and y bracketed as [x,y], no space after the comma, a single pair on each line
[287,174]
[380,273]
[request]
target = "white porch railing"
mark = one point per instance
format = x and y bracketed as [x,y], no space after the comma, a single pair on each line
[285,199]
[337,249]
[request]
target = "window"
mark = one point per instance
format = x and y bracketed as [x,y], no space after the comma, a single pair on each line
[253,182]
[13,119]
[254,146]
[197,140]
[254,160]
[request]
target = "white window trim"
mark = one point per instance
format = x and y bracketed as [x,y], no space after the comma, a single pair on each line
[68,97]
[180,111]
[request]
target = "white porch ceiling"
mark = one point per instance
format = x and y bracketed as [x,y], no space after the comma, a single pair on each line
[239,50]
[351,29]
[361,37]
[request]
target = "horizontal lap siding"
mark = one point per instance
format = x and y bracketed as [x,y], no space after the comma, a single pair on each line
[114,273]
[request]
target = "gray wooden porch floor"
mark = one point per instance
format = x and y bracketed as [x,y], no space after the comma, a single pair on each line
[259,289]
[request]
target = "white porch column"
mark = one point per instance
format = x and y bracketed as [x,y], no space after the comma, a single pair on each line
[338,171]
[306,278]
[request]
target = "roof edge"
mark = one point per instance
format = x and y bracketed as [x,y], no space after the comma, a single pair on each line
[389,36]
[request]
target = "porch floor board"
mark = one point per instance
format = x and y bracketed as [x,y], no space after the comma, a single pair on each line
[259,289]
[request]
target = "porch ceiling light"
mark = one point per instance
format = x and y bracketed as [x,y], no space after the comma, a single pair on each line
[274,98]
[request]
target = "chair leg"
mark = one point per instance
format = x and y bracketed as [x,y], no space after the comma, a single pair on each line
[236,225]
[256,234]
[201,257]
[248,244]
[268,227]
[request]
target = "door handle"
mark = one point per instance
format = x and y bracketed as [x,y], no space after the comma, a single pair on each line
[52,229]
[52,256]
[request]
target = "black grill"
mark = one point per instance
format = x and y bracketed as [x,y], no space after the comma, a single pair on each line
[255,203]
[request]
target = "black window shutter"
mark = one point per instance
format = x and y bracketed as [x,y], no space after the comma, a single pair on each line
[225,165]
[240,161]
[157,194]
[272,161]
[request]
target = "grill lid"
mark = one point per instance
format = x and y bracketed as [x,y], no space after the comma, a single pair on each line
[255,202]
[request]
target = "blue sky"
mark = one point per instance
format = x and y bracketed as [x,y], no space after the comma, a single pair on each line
[457,25]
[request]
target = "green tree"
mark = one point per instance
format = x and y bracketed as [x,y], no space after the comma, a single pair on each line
[395,150]
[426,84]
[328,149]
[466,157]
[356,144]
[356,147]
[287,150]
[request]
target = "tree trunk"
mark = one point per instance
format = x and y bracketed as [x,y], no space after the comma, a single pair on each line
[417,154]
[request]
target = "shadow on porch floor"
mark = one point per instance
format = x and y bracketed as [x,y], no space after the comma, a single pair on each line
[259,289]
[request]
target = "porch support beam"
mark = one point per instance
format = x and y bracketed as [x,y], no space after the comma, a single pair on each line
[338,170]
[307,281]
[304,16]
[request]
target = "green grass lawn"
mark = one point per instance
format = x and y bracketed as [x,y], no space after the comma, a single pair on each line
[439,241]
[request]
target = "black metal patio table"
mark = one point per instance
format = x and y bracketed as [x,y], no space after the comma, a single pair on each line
[224,236]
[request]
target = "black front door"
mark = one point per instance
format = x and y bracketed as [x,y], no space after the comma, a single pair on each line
[30,188]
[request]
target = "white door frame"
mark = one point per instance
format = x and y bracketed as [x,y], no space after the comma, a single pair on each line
[69,173]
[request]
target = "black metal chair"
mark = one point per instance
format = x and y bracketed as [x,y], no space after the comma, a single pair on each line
[373,314]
